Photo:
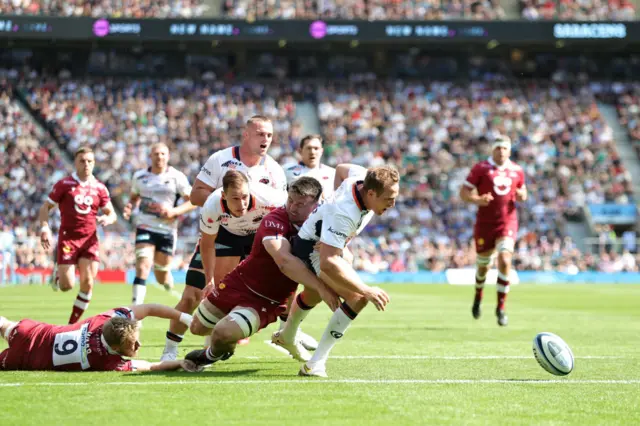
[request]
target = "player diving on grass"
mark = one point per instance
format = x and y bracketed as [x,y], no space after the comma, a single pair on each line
[79,197]
[254,294]
[99,343]
[237,208]
[155,192]
[494,185]
[322,243]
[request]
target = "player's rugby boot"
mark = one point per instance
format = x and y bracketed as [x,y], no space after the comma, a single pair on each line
[308,342]
[296,349]
[476,311]
[503,319]
[315,370]
[199,356]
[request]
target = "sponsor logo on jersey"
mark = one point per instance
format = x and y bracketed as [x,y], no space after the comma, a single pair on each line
[232,164]
[265,181]
[206,171]
[273,224]
[338,233]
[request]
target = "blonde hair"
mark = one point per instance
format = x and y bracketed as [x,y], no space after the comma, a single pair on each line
[117,330]
[159,145]
[379,178]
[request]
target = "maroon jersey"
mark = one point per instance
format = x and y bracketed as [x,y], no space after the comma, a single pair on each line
[79,203]
[502,183]
[259,272]
[78,347]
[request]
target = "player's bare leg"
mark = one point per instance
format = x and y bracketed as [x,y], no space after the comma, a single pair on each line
[306,340]
[191,296]
[505,254]
[162,270]
[88,270]
[144,254]
[66,277]
[483,261]
[239,324]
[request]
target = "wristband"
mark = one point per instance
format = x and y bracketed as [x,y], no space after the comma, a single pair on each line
[186,319]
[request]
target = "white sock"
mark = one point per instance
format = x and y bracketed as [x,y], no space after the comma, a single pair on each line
[172,344]
[207,341]
[338,324]
[3,320]
[296,315]
[139,292]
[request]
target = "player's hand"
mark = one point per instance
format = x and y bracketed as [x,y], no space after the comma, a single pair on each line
[485,199]
[126,211]
[521,193]
[329,297]
[103,220]
[190,366]
[165,212]
[378,297]
[207,289]
[45,239]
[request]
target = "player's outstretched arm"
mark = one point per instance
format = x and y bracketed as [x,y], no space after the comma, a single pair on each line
[183,208]
[43,219]
[296,270]
[160,311]
[341,272]
[200,192]
[184,364]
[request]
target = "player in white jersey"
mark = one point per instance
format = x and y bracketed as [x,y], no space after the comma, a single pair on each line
[311,151]
[321,243]
[251,159]
[155,192]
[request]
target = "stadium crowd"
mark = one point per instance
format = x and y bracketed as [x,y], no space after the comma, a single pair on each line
[433,132]
[578,10]
[103,8]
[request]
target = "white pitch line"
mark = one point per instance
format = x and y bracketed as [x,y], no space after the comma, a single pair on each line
[333,381]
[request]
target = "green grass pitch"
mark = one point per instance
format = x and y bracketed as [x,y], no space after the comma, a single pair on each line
[423,361]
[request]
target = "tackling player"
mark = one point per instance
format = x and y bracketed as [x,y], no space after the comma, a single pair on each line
[237,208]
[98,343]
[251,159]
[79,197]
[494,185]
[156,191]
[321,245]
[253,295]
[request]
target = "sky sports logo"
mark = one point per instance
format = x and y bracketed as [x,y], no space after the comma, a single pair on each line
[320,29]
[102,28]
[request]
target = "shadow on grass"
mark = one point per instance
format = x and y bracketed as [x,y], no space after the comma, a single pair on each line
[195,376]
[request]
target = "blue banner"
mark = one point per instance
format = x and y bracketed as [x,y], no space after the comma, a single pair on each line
[613,214]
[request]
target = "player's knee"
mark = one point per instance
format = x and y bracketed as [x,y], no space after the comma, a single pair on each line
[227,332]
[190,300]
[504,260]
[197,328]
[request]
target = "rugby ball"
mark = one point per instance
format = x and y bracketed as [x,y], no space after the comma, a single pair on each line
[553,354]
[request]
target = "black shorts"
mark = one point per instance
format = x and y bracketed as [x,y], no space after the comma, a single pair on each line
[227,245]
[163,243]
[302,249]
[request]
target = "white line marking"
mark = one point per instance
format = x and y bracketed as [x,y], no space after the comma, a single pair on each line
[335,381]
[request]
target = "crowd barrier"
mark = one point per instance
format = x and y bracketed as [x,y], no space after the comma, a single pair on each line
[451,276]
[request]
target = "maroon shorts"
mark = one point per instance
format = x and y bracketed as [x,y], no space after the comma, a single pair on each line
[231,294]
[70,249]
[486,234]
[28,349]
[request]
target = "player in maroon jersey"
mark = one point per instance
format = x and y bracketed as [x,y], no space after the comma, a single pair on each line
[79,197]
[98,343]
[494,185]
[255,293]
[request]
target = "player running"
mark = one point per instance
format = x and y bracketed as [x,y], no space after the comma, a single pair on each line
[311,150]
[98,343]
[156,191]
[494,185]
[237,208]
[253,295]
[79,197]
[321,245]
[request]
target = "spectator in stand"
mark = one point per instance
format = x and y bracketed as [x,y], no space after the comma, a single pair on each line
[102,8]
[582,10]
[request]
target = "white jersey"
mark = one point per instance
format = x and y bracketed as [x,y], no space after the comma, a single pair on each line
[165,188]
[324,174]
[267,172]
[340,219]
[215,213]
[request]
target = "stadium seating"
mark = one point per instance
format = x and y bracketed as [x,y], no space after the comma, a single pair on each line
[433,132]
[586,10]
[101,8]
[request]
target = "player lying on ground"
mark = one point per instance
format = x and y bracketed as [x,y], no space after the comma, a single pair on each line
[494,185]
[155,191]
[231,214]
[321,244]
[98,343]
[254,294]
[79,198]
